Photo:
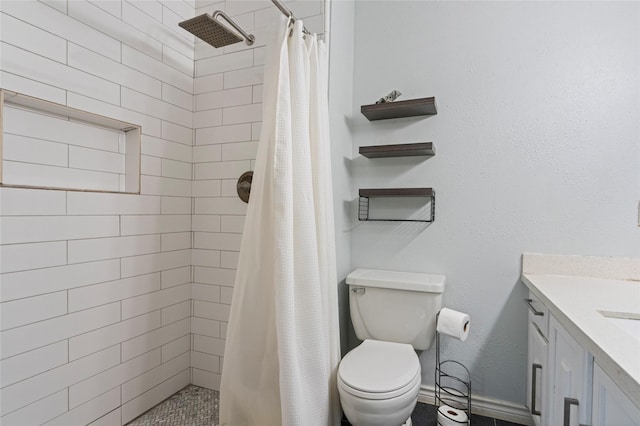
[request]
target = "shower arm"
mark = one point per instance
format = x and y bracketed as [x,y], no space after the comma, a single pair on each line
[289,14]
[249,39]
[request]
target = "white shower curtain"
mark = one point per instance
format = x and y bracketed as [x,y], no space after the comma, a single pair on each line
[282,347]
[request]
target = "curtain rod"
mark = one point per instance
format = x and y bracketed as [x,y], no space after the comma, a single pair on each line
[289,14]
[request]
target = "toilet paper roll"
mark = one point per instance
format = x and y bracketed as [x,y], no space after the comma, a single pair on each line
[453,323]
[449,416]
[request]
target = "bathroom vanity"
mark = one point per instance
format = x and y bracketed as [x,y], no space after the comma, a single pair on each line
[583,363]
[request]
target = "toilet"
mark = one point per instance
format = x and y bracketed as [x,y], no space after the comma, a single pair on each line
[394,313]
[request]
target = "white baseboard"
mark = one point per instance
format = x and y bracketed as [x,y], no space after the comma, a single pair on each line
[489,407]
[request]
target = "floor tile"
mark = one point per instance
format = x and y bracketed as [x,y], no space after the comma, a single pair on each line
[424,415]
[192,406]
[505,423]
[482,421]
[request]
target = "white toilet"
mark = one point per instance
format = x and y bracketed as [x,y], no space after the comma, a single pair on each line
[395,314]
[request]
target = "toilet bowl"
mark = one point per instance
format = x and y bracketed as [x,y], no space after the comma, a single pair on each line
[378,383]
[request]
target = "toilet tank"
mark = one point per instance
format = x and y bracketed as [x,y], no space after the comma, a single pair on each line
[395,306]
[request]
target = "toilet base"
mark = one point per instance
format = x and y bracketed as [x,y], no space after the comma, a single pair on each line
[391,415]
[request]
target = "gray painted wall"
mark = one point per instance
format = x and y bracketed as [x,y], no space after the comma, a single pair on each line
[341,33]
[537,141]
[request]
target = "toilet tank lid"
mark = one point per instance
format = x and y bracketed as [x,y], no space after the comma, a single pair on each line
[411,281]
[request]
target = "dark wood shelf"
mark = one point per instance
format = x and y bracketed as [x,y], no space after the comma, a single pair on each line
[399,109]
[396,192]
[399,150]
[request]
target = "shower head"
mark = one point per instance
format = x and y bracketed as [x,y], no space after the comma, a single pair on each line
[211,30]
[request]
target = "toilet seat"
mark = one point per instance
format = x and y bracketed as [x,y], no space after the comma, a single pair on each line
[379,370]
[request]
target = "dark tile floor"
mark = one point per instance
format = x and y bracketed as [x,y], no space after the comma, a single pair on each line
[427,415]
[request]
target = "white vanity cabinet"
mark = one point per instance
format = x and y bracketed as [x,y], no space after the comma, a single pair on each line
[558,372]
[591,372]
[565,386]
[569,377]
[611,407]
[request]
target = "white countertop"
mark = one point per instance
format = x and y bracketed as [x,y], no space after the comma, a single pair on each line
[575,301]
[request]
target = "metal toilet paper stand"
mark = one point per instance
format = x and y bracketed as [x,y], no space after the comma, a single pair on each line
[453,384]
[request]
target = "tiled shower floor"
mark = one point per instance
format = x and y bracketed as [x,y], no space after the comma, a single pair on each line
[196,406]
[192,406]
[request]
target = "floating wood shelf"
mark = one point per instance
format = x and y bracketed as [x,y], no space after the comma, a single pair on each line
[397,192]
[365,194]
[400,150]
[399,109]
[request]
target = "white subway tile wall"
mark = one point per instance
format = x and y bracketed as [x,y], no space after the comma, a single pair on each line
[110,303]
[95,289]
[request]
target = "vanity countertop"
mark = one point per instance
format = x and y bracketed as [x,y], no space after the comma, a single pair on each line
[577,302]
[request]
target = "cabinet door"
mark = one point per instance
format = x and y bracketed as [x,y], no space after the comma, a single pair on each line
[610,406]
[537,364]
[570,372]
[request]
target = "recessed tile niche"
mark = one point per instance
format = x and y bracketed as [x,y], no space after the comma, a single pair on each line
[53,146]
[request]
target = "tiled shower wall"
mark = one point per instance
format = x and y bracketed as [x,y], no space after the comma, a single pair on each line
[227,119]
[96,287]
[99,317]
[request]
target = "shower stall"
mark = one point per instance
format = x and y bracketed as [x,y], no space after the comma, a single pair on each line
[112,301]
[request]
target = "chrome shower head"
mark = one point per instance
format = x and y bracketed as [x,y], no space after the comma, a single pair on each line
[211,30]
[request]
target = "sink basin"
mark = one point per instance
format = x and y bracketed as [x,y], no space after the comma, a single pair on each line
[629,322]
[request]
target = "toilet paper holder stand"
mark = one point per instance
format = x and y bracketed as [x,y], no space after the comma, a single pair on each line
[452,385]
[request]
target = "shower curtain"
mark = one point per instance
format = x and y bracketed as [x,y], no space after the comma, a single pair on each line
[282,347]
